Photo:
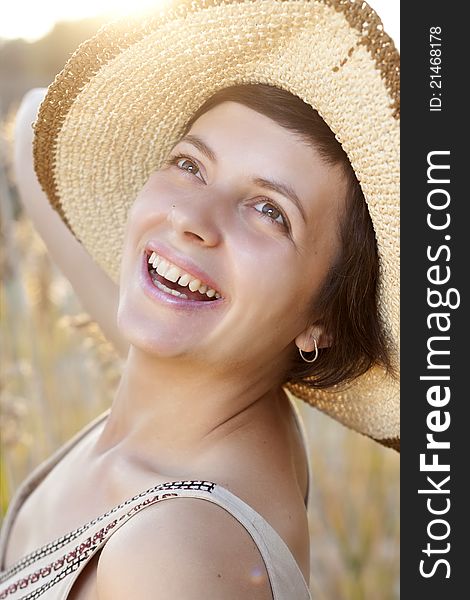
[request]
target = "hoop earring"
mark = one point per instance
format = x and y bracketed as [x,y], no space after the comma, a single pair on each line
[310,360]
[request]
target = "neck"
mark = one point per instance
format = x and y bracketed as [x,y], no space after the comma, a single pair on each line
[175,409]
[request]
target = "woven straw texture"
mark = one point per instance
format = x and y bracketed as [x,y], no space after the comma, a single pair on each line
[112,115]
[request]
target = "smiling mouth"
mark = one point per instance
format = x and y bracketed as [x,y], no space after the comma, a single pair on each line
[172,280]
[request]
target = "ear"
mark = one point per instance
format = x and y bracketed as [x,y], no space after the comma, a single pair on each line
[304,340]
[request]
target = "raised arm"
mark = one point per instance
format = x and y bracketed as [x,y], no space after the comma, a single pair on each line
[96,291]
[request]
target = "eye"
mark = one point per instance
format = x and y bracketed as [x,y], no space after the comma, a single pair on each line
[183,163]
[272,213]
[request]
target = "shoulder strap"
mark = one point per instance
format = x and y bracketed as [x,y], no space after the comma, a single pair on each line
[303,433]
[58,564]
[41,471]
[285,576]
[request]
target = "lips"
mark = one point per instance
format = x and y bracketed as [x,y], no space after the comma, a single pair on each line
[174,289]
[154,285]
[169,277]
[182,262]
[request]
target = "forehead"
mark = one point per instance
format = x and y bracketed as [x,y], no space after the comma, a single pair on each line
[231,125]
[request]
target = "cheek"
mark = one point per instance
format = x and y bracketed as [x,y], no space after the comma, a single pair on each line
[152,201]
[273,282]
[296,285]
[151,207]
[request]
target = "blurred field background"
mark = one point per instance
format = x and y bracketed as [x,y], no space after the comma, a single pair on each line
[58,372]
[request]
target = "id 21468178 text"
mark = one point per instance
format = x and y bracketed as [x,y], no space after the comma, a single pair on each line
[435,69]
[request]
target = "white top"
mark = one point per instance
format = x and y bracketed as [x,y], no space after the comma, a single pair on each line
[50,571]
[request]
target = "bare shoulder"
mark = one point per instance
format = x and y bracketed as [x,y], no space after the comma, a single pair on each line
[187,549]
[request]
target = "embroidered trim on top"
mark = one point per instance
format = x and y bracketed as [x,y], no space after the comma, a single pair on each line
[70,561]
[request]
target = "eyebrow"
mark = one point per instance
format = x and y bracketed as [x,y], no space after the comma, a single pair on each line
[200,145]
[270,184]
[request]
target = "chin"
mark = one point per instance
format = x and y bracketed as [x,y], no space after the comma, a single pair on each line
[148,335]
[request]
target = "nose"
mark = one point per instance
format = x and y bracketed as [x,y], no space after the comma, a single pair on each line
[195,220]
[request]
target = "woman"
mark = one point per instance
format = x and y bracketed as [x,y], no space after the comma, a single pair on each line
[241,242]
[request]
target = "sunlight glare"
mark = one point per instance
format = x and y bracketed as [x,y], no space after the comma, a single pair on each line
[31,21]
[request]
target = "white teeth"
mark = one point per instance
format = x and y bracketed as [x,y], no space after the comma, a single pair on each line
[176,293]
[175,274]
[172,274]
[184,279]
[166,289]
[163,267]
[194,285]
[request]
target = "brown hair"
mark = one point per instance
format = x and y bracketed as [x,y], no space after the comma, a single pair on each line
[347,301]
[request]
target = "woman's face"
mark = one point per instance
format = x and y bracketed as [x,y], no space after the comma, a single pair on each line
[264,247]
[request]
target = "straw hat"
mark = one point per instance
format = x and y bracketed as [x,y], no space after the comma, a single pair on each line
[121,102]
